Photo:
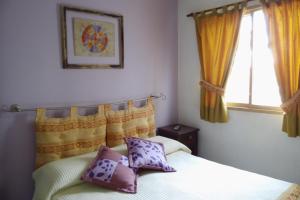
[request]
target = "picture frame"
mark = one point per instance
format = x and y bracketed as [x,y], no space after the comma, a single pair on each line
[91,39]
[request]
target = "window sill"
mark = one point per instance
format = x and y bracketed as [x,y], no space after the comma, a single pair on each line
[255,108]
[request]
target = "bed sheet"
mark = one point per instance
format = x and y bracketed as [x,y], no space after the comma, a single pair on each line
[196,178]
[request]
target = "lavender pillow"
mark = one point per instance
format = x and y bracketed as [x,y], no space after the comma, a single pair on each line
[111,170]
[147,154]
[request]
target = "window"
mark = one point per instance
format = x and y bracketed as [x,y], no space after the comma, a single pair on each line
[252,83]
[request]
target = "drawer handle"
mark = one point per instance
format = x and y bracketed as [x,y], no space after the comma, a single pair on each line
[190,137]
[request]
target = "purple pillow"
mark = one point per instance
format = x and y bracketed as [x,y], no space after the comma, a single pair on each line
[147,154]
[111,170]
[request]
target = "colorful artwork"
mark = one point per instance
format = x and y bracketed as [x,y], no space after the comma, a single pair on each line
[93,38]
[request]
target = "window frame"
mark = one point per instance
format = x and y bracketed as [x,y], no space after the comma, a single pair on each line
[249,107]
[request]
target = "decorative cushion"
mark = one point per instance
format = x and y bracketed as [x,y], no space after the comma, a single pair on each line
[147,154]
[144,118]
[58,138]
[131,122]
[120,124]
[111,170]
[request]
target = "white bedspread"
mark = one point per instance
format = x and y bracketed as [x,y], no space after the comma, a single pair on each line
[196,178]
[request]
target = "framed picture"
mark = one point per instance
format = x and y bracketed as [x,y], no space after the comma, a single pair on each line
[91,39]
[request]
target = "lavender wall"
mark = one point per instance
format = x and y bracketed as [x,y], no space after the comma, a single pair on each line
[31,73]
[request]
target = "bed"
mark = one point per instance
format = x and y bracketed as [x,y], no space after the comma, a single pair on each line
[196,178]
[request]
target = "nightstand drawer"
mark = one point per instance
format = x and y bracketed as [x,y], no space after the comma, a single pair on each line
[168,135]
[190,140]
[186,135]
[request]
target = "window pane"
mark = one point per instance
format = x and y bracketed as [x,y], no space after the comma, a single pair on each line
[237,88]
[264,85]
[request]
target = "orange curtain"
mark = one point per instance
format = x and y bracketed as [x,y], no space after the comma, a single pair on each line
[217,36]
[283,19]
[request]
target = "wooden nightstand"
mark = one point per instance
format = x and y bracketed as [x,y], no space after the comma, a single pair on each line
[186,135]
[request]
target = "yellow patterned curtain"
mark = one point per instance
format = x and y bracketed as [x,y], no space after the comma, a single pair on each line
[283,19]
[217,36]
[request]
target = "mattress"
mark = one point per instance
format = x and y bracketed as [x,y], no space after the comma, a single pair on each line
[196,178]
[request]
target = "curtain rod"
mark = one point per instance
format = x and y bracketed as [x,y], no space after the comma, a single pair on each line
[18,108]
[232,4]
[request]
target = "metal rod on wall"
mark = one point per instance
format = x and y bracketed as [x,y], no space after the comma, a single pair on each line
[18,108]
[217,8]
